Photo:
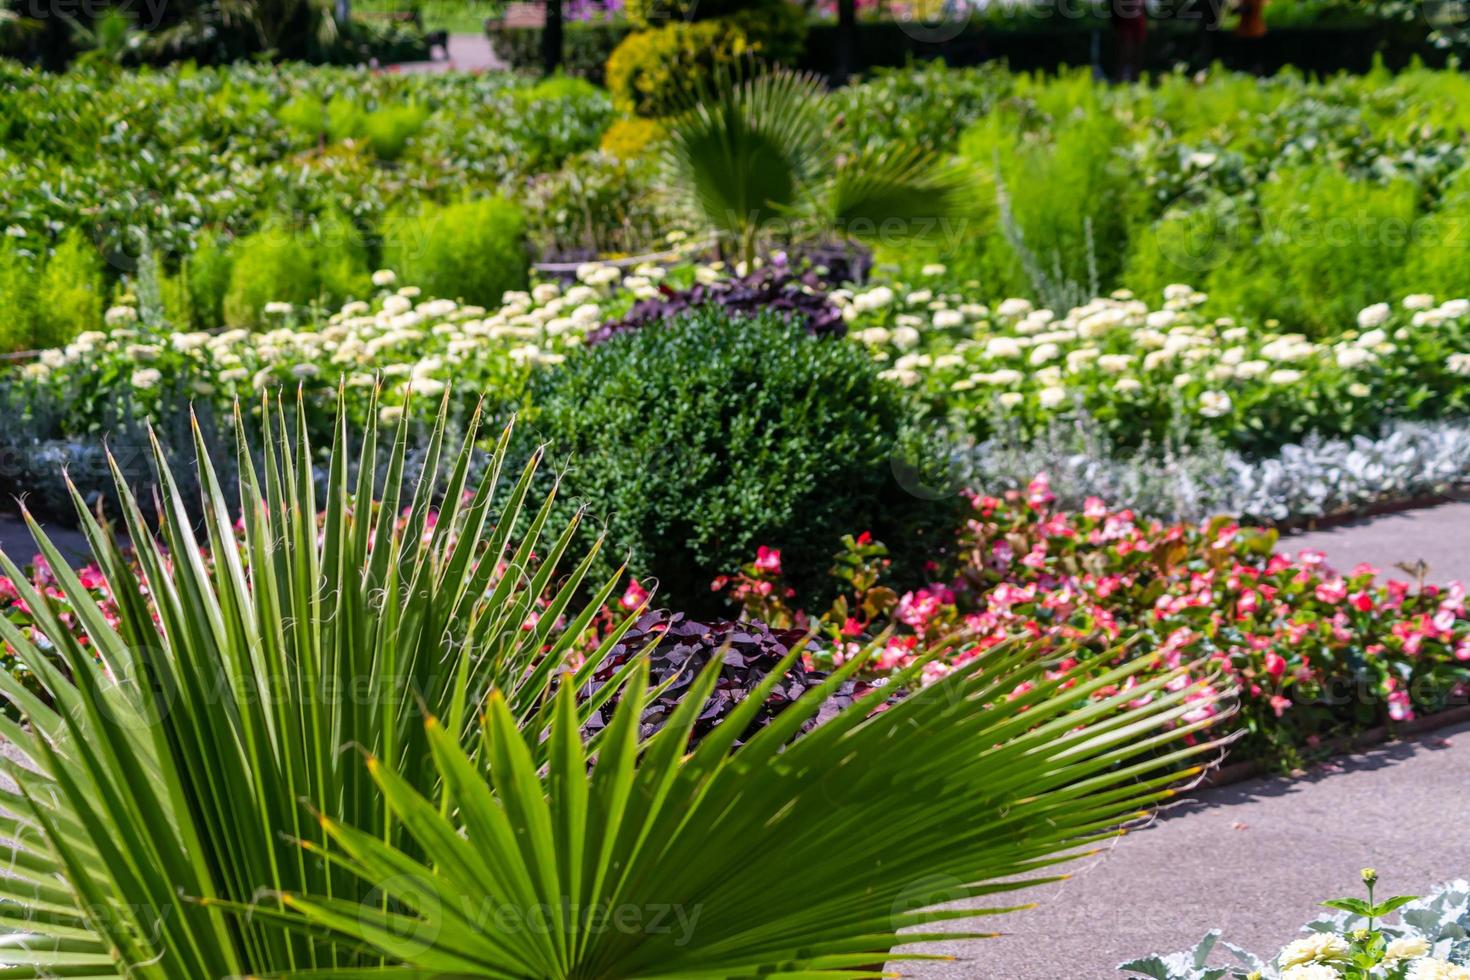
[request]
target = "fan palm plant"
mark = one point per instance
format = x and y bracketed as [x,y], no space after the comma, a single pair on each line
[164,768]
[155,824]
[801,858]
[751,153]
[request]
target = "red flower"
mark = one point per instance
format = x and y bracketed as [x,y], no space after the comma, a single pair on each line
[634,595]
[768,560]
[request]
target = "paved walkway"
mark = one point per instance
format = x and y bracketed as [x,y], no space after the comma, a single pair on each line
[16,540]
[1251,859]
[1438,536]
[465,52]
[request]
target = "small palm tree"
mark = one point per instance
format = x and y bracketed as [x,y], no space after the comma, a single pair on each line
[749,154]
[154,824]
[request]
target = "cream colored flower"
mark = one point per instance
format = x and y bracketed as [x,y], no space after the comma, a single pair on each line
[384,277]
[147,378]
[1374,316]
[1321,947]
[1311,971]
[1418,301]
[1014,308]
[1213,404]
[905,338]
[1042,353]
[1427,969]
[1051,397]
[118,315]
[1406,948]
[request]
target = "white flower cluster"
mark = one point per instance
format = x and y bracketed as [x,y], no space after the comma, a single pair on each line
[1017,355]
[416,346]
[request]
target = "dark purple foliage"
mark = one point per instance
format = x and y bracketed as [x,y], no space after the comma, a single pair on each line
[802,297]
[687,646]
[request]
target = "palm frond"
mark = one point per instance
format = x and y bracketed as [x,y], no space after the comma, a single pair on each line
[801,858]
[162,771]
[907,192]
[744,151]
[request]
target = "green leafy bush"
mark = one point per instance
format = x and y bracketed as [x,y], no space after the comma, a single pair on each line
[326,263]
[1438,258]
[70,293]
[1053,213]
[705,439]
[17,293]
[474,251]
[655,72]
[1328,246]
[388,130]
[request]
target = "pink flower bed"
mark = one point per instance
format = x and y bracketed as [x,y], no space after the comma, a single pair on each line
[1313,653]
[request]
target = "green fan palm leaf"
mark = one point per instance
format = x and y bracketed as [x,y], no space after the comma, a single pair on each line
[751,152]
[761,859]
[160,778]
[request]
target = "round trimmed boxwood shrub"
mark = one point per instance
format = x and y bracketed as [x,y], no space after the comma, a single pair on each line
[472,251]
[700,440]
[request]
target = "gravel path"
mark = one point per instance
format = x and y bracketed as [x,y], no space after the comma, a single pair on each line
[1251,859]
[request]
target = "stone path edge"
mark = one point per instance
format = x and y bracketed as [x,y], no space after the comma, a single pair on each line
[1239,772]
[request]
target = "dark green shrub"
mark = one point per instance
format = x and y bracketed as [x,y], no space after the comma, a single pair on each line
[699,441]
[473,251]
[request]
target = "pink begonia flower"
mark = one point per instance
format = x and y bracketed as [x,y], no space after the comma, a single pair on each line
[1361,601]
[1400,708]
[768,559]
[1279,704]
[1093,508]
[1332,590]
[1275,664]
[634,595]
[1038,492]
